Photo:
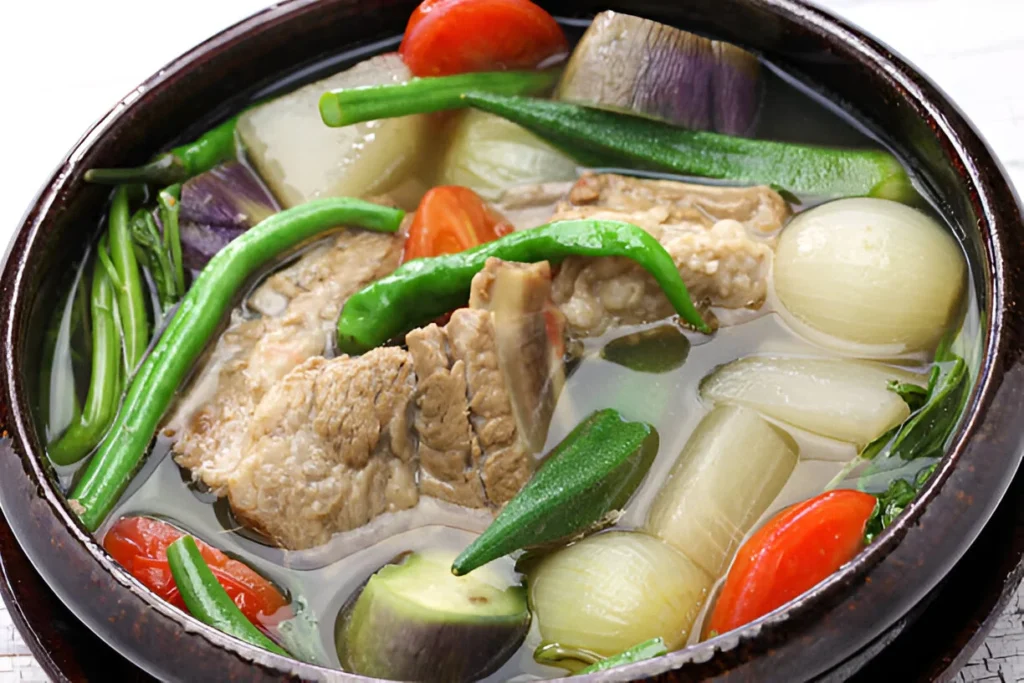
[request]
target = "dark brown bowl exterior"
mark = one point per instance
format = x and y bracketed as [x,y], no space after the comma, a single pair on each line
[840,624]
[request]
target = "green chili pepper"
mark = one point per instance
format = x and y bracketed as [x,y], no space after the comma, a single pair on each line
[421,95]
[104,384]
[181,163]
[131,301]
[193,324]
[207,600]
[423,289]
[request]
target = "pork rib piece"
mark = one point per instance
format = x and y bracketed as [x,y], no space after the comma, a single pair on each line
[720,239]
[300,305]
[457,416]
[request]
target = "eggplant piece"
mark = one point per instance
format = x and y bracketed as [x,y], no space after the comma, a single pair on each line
[415,621]
[643,67]
[217,206]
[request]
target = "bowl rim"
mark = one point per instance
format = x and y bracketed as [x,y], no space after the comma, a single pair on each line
[963,146]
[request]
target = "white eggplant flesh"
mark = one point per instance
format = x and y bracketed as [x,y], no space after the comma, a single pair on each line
[302,159]
[732,467]
[489,154]
[842,399]
[616,589]
[869,277]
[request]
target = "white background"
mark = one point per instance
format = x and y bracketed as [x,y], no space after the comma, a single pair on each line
[64,63]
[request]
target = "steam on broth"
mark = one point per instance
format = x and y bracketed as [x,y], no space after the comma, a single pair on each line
[555,419]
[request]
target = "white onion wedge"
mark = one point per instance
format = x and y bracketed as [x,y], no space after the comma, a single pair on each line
[613,590]
[302,159]
[730,470]
[489,154]
[842,399]
[870,277]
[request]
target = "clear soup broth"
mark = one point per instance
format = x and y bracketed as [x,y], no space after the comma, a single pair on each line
[318,581]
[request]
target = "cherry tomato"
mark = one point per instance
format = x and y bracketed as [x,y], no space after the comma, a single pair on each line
[139,544]
[797,549]
[445,37]
[451,219]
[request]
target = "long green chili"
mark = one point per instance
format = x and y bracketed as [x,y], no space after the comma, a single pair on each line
[423,95]
[590,134]
[207,600]
[104,383]
[181,163]
[131,301]
[423,289]
[192,326]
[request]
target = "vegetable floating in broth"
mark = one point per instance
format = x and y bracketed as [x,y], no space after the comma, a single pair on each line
[572,411]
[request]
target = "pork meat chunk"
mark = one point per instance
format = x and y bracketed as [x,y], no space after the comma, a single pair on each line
[487,385]
[449,450]
[328,449]
[299,305]
[720,239]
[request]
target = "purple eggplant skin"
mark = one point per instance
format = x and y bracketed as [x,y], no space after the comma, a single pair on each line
[217,206]
[642,67]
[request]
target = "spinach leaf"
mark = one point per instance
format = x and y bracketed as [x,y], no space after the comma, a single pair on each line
[936,410]
[151,252]
[925,432]
[913,395]
[891,502]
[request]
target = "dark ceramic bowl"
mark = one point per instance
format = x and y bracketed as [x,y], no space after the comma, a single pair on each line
[829,633]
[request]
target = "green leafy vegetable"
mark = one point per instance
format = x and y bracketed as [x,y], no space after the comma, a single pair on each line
[924,433]
[892,502]
[649,649]
[170,208]
[151,252]
[914,395]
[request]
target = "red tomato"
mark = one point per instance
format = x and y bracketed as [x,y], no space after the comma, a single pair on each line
[139,544]
[445,37]
[451,219]
[797,549]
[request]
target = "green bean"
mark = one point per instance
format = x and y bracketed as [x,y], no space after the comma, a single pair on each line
[207,600]
[595,136]
[192,326]
[215,146]
[104,385]
[423,289]
[170,208]
[131,300]
[423,95]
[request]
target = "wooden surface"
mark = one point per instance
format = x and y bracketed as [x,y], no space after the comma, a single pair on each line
[974,50]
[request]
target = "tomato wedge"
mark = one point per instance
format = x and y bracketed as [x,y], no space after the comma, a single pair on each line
[797,549]
[445,37]
[139,544]
[451,219]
